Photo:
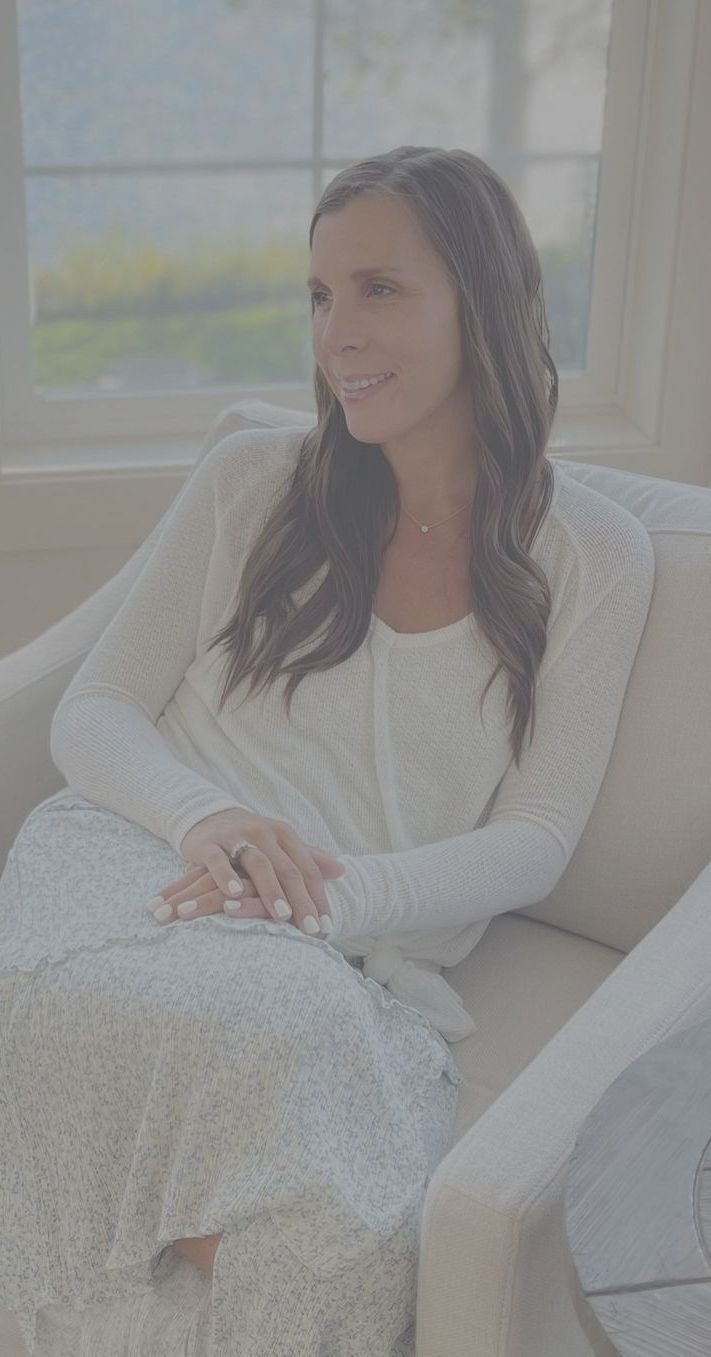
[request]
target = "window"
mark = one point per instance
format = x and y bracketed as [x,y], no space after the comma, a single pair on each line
[161,164]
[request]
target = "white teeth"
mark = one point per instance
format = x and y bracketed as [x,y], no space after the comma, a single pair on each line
[368,381]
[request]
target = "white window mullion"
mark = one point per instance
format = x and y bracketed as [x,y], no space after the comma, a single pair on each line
[598,385]
[15,308]
[318,87]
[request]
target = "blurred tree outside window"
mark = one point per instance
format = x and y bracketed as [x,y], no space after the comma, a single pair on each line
[174,154]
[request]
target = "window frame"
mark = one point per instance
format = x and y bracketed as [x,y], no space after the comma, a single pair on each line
[612,411]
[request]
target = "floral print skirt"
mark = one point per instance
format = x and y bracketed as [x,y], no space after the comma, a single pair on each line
[213,1076]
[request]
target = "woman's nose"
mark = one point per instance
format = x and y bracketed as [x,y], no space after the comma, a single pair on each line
[339,327]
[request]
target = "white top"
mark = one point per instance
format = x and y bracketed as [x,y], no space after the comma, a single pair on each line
[385,762]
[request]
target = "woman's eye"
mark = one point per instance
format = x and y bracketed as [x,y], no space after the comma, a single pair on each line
[316,304]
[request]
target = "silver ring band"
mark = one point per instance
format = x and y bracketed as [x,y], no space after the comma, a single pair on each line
[238,850]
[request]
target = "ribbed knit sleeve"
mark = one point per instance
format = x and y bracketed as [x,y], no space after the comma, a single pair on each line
[103,736]
[542,807]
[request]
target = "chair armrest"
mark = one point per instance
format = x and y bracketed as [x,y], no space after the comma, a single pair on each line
[35,677]
[32,681]
[494,1268]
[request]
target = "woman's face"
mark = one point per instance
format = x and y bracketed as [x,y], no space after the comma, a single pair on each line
[400,316]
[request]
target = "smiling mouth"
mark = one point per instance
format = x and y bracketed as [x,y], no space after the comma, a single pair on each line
[364,393]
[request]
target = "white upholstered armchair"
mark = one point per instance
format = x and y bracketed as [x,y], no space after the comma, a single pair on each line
[565,994]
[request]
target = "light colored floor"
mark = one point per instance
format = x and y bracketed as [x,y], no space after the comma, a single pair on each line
[11,1344]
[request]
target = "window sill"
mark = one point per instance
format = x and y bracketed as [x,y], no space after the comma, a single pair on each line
[602,435]
[112,493]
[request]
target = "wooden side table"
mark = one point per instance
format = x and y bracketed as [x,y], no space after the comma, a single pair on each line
[638,1206]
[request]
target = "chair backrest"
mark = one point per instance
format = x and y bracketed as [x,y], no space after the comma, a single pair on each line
[649,834]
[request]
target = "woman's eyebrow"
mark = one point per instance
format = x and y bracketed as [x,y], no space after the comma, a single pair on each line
[359,273]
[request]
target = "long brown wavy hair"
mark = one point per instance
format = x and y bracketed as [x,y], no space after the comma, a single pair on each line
[341,505]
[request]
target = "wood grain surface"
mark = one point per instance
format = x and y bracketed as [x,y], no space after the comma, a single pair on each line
[638,1206]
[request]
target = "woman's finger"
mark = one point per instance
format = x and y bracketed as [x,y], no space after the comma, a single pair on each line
[208,899]
[193,906]
[193,886]
[208,883]
[172,887]
[207,902]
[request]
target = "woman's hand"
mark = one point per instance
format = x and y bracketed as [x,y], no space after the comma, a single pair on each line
[199,889]
[277,848]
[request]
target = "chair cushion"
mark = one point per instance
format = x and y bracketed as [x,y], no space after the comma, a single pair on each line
[521,983]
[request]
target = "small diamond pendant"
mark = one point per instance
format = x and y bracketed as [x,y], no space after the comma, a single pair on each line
[424,529]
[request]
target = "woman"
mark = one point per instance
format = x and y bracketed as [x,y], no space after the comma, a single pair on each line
[218,1126]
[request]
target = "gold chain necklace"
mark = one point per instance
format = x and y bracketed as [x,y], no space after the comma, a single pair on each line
[424,527]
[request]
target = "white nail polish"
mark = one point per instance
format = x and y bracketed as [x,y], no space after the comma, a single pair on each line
[187,907]
[326,923]
[310,924]
[282,909]
[155,903]
[164,913]
[235,887]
